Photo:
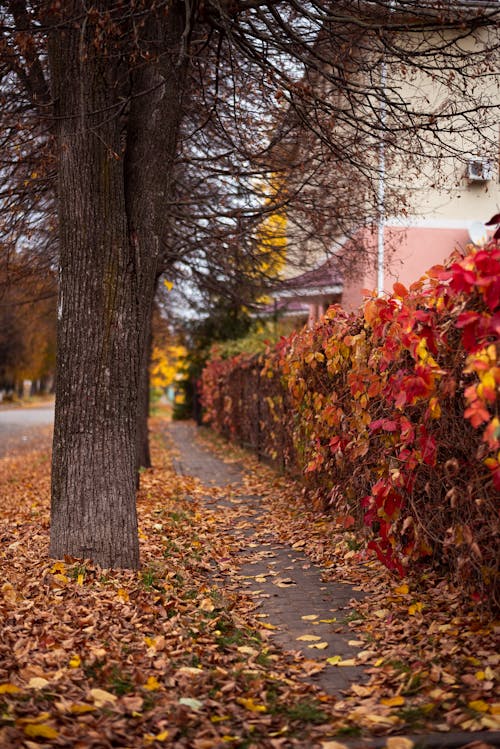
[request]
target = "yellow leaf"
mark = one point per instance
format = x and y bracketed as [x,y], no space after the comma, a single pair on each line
[152,684]
[396,701]
[9,593]
[308,638]
[168,284]
[267,626]
[402,590]
[250,704]
[328,621]
[334,660]
[79,580]
[309,617]
[149,738]
[61,579]
[495,708]
[80,708]
[123,594]
[58,567]
[480,675]
[101,697]
[40,730]
[75,661]
[479,705]
[40,718]
[9,689]
[218,718]
[319,645]
[415,608]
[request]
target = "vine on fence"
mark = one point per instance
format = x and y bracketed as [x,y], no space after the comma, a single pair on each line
[391,415]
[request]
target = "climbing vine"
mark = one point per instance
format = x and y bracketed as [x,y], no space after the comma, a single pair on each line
[392,416]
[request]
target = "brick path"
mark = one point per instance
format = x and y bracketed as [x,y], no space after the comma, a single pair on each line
[286,585]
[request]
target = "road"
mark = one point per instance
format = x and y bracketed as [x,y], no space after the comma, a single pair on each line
[24,427]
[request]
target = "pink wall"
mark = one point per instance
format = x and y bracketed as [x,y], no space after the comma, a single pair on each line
[409,253]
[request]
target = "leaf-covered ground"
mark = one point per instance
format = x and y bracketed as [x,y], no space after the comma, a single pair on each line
[99,658]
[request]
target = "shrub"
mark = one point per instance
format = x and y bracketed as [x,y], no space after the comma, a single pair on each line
[391,416]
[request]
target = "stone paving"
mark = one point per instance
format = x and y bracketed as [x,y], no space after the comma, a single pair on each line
[284,582]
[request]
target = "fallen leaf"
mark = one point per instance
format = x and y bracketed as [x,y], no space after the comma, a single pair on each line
[308,638]
[192,703]
[402,590]
[334,660]
[150,738]
[479,706]
[399,742]
[250,704]
[9,689]
[37,682]
[415,608]
[79,708]
[101,697]
[206,604]
[319,645]
[152,684]
[395,701]
[191,670]
[309,617]
[9,593]
[40,730]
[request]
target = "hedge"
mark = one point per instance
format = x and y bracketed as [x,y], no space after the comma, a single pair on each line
[391,417]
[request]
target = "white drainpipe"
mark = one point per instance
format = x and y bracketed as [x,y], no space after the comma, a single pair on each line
[381,185]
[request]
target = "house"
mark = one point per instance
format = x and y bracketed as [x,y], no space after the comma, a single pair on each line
[423,204]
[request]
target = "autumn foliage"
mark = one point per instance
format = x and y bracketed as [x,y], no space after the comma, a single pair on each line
[391,415]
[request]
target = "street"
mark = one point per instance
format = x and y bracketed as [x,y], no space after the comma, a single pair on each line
[20,427]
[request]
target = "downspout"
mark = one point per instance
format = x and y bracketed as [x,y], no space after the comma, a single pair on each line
[382,172]
[381,183]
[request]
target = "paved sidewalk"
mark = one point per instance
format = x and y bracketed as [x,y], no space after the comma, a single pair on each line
[285,584]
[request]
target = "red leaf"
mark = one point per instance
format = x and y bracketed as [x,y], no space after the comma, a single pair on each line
[494,220]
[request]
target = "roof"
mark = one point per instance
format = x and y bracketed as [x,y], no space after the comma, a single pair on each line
[324,279]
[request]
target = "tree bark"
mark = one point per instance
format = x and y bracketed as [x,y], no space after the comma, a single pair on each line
[143,451]
[110,190]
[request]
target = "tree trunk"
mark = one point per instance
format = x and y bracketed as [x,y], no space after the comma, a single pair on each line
[93,466]
[109,246]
